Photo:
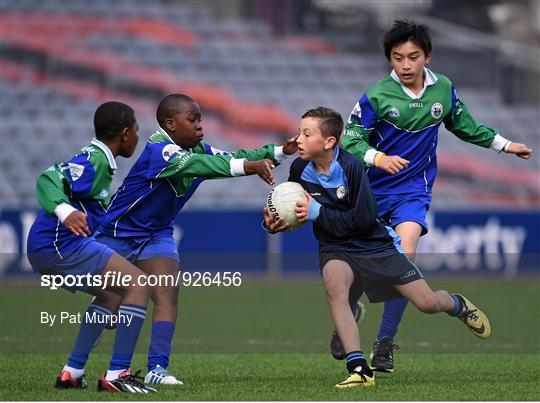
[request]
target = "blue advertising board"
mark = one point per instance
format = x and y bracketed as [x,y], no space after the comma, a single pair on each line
[464,243]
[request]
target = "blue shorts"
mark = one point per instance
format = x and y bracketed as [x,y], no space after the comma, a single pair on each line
[89,257]
[142,248]
[398,208]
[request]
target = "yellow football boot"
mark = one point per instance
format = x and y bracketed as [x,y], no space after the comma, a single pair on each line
[474,318]
[355,379]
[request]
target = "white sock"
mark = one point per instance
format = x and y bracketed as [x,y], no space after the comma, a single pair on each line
[112,374]
[75,373]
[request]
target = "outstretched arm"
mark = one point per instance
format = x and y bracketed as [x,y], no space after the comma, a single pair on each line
[187,164]
[463,125]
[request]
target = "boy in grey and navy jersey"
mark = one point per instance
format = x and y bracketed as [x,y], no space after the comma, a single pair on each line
[393,130]
[356,252]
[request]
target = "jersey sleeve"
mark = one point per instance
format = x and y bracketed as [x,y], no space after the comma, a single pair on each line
[361,218]
[460,122]
[360,124]
[80,174]
[272,152]
[63,182]
[169,160]
[52,189]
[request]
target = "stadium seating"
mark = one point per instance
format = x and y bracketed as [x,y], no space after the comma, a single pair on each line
[251,85]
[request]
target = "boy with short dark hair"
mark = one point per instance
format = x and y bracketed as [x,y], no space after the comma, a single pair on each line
[74,198]
[356,252]
[138,224]
[393,130]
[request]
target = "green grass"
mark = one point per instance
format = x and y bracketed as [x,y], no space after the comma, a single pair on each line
[269,341]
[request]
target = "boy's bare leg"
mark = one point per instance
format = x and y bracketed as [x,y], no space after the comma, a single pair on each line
[338,278]
[424,299]
[427,301]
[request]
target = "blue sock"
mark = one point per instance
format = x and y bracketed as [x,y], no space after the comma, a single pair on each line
[126,335]
[393,312]
[160,346]
[458,306]
[356,359]
[93,323]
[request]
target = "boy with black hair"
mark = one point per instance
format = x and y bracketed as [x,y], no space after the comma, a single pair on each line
[393,130]
[74,197]
[138,224]
[356,252]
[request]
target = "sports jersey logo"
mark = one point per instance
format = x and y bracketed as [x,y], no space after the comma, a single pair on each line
[169,151]
[75,171]
[103,193]
[357,111]
[436,110]
[341,192]
[394,112]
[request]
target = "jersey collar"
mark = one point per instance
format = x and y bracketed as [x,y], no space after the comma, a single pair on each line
[429,79]
[107,151]
[165,134]
[333,164]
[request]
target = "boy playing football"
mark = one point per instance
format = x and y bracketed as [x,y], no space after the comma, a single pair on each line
[74,197]
[138,224]
[356,252]
[393,130]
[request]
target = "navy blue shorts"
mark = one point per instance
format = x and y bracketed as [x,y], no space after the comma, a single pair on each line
[89,257]
[397,208]
[142,248]
[376,276]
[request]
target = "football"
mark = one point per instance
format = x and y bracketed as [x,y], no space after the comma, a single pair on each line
[282,201]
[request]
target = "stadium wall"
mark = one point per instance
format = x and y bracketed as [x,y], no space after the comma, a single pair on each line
[464,243]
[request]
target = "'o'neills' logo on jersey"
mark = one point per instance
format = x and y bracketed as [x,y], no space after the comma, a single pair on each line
[341,192]
[169,151]
[75,171]
[436,110]
[394,112]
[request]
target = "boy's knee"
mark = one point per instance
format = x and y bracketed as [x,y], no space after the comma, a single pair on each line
[164,295]
[336,291]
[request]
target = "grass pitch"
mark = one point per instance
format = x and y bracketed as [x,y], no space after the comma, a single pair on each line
[269,341]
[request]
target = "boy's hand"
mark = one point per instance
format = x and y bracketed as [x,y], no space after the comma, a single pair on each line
[76,223]
[392,163]
[290,146]
[274,224]
[263,168]
[521,150]
[302,208]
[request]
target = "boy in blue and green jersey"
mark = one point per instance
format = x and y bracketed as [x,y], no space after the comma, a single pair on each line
[393,130]
[74,197]
[139,222]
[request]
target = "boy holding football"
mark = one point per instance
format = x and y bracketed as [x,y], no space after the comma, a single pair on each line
[393,130]
[356,252]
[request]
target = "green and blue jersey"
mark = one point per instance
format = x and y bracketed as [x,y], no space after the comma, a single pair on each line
[164,178]
[81,183]
[389,118]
